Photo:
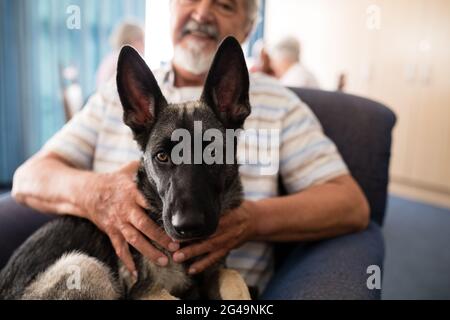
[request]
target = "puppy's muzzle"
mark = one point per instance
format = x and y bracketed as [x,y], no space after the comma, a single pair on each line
[189,225]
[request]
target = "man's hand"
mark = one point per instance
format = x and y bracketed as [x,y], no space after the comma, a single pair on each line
[115,205]
[235,228]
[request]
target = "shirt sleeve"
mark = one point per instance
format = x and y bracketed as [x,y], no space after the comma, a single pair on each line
[307,156]
[76,141]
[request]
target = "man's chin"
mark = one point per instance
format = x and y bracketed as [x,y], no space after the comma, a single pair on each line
[204,42]
[194,57]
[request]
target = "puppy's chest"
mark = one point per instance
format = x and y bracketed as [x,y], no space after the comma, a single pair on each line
[152,278]
[173,277]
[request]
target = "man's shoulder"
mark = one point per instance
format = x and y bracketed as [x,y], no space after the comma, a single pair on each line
[162,74]
[268,93]
[108,91]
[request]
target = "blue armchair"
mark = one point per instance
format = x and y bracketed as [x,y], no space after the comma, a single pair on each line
[337,268]
[361,129]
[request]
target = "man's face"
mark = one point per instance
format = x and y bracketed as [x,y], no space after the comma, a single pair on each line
[198,26]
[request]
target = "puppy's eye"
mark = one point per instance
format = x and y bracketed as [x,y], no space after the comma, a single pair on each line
[162,157]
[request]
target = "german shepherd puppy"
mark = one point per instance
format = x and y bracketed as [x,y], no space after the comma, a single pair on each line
[186,200]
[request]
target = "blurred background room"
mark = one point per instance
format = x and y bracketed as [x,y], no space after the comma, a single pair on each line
[55,53]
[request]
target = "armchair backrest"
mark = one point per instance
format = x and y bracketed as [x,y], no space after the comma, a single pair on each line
[362,131]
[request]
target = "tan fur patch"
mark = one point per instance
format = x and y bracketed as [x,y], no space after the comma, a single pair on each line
[171,278]
[232,286]
[73,276]
[157,294]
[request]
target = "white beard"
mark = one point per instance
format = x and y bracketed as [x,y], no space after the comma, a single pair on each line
[193,59]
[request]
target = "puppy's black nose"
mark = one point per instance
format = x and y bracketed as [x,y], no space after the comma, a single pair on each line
[188,225]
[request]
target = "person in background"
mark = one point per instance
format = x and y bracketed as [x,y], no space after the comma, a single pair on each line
[126,33]
[261,59]
[286,63]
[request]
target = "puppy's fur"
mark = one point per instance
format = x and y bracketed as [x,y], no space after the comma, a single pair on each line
[186,200]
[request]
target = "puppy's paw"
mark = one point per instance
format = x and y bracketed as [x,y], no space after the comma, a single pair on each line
[232,286]
[159,295]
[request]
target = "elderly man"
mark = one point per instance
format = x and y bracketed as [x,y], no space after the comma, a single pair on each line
[87,170]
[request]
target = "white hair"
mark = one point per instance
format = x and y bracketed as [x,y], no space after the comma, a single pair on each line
[126,33]
[193,58]
[287,49]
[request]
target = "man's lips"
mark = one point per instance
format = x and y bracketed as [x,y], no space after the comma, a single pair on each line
[200,35]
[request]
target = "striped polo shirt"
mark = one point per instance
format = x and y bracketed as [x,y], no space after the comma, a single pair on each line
[97,139]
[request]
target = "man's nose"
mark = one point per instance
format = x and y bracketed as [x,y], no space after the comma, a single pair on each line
[203,11]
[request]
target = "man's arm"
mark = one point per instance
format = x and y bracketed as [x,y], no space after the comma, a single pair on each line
[49,183]
[331,209]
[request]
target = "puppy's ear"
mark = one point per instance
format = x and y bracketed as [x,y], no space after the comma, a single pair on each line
[139,93]
[226,88]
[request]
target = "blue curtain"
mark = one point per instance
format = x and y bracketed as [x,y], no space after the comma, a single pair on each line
[259,30]
[34,42]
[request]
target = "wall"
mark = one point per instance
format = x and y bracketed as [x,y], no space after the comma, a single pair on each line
[393,51]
